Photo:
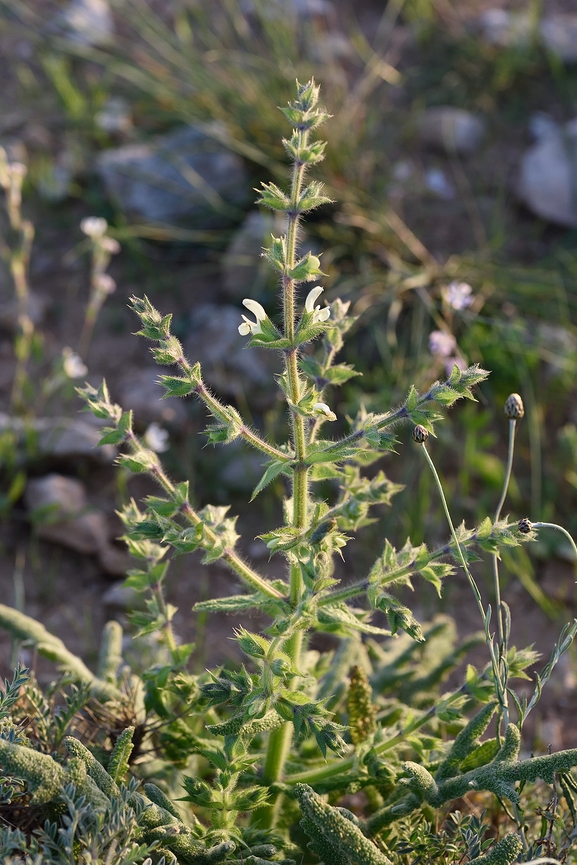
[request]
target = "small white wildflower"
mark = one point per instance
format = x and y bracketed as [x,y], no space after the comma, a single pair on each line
[93,226]
[104,283]
[17,169]
[442,344]
[110,244]
[459,295]
[319,313]
[252,327]
[73,365]
[321,409]
[156,438]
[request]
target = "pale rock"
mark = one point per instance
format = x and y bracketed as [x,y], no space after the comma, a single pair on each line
[56,177]
[115,117]
[244,270]
[139,391]
[59,508]
[87,22]
[185,175]
[241,468]
[228,365]
[560,345]
[56,182]
[451,129]
[551,733]
[559,35]
[547,182]
[121,597]
[505,29]
[258,550]
[58,505]
[542,124]
[113,560]
[9,311]
[331,48]
[437,182]
[300,9]
[557,31]
[60,437]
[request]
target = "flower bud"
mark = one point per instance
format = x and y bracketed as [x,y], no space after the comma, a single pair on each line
[420,434]
[93,226]
[525,525]
[514,408]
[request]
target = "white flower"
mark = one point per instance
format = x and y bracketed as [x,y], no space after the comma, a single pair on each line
[442,344]
[321,409]
[110,244]
[93,226]
[73,365]
[104,283]
[17,169]
[319,314]
[156,438]
[459,295]
[252,327]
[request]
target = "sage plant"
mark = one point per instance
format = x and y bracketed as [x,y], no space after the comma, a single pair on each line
[259,747]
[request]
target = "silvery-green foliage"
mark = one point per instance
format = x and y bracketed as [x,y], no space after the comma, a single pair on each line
[239,762]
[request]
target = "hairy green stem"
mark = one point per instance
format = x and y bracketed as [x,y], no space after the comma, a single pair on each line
[495,561]
[280,740]
[219,411]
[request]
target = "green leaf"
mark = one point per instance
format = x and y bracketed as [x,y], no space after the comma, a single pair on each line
[111,436]
[398,615]
[273,471]
[311,197]
[253,645]
[282,539]
[310,366]
[325,471]
[239,603]
[446,396]
[482,755]
[162,507]
[330,452]
[484,529]
[412,399]
[335,616]
[176,385]
[341,373]
[273,197]
[276,253]
[306,269]
[435,572]
[141,461]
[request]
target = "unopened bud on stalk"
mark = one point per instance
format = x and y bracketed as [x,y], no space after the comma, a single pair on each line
[93,226]
[525,525]
[420,434]
[514,408]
